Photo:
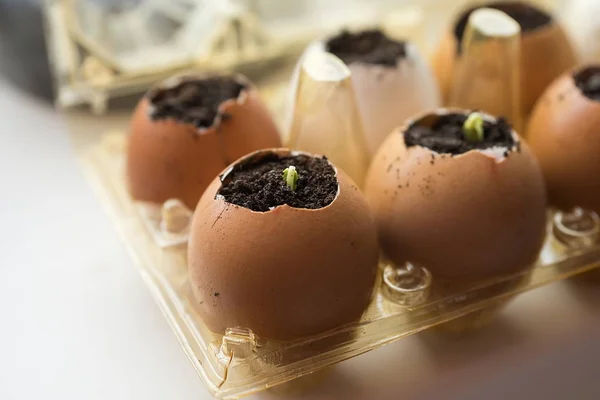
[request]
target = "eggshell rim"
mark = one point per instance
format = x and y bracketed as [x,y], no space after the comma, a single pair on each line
[461,14]
[177,79]
[279,152]
[453,110]
[412,52]
[571,78]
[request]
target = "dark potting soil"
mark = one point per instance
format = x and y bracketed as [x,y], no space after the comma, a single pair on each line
[259,185]
[446,135]
[194,101]
[529,18]
[588,81]
[370,47]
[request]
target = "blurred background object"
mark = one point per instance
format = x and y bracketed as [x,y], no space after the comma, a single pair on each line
[581,18]
[23,56]
[101,49]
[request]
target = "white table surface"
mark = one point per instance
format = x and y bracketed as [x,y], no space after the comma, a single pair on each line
[77,322]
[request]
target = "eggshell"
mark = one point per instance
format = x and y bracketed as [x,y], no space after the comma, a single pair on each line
[387,96]
[285,273]
[564,134]
[170,159]
[468,216]
[545,53]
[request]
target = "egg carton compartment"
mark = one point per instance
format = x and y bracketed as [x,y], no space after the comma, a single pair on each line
[406,299]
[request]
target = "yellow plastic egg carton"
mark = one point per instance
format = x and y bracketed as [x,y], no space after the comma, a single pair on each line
[406,299]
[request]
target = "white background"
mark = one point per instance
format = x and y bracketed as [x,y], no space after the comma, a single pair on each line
[77,323]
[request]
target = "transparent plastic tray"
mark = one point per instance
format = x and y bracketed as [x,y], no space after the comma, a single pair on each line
[405,300]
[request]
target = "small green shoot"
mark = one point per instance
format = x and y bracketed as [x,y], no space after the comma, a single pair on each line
[473,127]
[290,175]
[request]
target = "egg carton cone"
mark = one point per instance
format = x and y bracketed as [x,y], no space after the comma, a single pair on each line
[548,5]
[408,87]
[326,118]
[487,75]
[545,53]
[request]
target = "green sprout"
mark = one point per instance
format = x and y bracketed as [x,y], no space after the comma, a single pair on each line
[290,175]
[473,127]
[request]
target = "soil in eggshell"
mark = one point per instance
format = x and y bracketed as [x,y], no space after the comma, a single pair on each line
[588,81]
[369,47]
[446,135]
[194,101]
[260,186]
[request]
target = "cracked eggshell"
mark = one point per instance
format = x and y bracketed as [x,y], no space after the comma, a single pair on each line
[469,216]
[285,273]
[545,54]
[170,159]
[386,96]
[564,135]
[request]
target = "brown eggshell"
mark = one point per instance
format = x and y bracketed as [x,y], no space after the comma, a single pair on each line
[468,216]
[169,159]
[564,134]
[388,96]
[285,273]
[545,54]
